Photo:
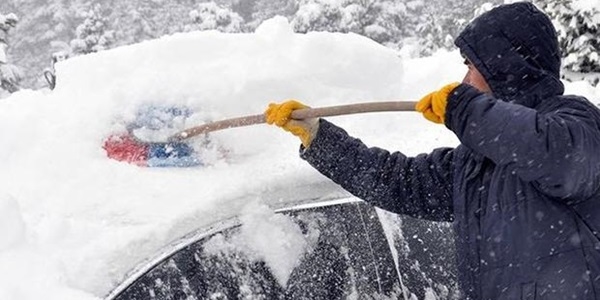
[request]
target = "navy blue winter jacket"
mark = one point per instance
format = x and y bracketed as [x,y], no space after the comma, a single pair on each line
[522,188]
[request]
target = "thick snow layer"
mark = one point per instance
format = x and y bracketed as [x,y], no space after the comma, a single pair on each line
[73,222]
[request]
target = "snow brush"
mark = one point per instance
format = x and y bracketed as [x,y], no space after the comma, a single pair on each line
[299,114]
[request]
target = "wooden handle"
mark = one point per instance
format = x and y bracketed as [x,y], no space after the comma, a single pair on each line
[299,114]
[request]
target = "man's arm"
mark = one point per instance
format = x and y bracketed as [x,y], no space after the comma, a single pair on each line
[559,151]
[418,186]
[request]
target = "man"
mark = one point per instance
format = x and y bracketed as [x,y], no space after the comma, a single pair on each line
[522,188]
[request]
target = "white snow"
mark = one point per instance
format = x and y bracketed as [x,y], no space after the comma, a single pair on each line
[276,238]
[269,237]
[74,222]
[586,5]
[12,228]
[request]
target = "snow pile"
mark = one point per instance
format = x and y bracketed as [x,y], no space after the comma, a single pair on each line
[12,228]
[266,237]
[76,222]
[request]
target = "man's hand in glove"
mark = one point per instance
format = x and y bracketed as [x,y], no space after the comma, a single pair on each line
[433,105]
[280,115]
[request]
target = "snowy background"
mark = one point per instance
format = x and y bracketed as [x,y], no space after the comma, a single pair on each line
[73,222]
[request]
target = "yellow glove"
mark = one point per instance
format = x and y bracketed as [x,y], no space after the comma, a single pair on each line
[280,115]
[433,105]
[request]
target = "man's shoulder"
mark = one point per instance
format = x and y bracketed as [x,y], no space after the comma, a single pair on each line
[568,102]
[572,97]
[575,105]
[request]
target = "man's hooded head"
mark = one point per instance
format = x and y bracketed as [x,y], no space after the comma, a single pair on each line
[515,48]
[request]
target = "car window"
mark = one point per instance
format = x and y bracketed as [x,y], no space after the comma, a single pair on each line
[425,253]
[348,258]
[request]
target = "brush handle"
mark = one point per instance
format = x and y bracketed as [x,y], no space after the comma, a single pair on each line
[298,114]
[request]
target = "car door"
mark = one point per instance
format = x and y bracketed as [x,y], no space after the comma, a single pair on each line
[356,252]
[349,257]
[425,256]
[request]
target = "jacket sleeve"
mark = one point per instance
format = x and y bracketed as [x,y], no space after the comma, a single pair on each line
[418,186]
[558,150]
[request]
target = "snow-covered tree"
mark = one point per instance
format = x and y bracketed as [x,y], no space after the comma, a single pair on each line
[41,23]
[438,22]
[578,26]
[6,23]
[319,15]
[434,23]
[132,23]
[10,75]
[92,35]
[382,21]
[387,22]
[211,16]
[430,29]
[137,21]
[257,11]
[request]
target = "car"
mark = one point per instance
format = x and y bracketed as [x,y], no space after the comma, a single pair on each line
[355,252]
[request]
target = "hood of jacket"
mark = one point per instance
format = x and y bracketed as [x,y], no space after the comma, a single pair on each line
[515,48]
